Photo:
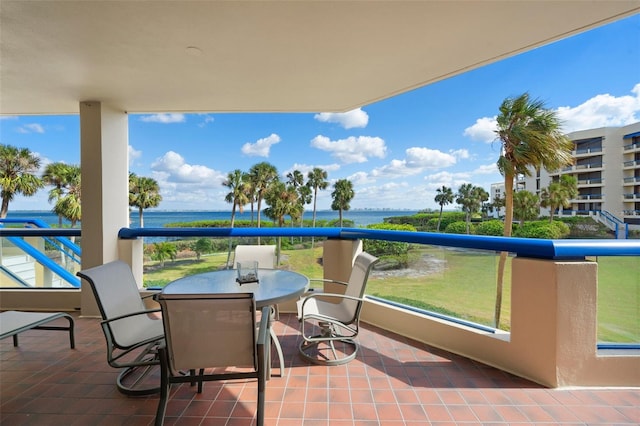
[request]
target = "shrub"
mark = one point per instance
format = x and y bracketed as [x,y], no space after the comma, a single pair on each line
[542,229]
[490,227]
[459,227]
[390,252]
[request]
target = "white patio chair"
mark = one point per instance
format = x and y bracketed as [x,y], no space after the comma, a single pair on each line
[210,333]
[336,322]
[265,255]
[132,335]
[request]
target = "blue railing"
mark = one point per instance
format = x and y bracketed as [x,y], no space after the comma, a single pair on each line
[58,238]
[524,247]
[615,222]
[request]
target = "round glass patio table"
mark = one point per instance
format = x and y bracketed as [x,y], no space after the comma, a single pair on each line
[274,286]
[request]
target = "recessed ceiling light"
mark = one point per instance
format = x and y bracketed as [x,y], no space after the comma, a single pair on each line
[194,51]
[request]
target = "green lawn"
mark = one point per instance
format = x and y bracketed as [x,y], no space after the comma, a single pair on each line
[458,283]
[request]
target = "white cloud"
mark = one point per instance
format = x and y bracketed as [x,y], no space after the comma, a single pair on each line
[353,149]
[387,195]
[602,111]
[262,147]
[426,158]
[486,169]
[452,180]
[360,178]
[348,120]
[460,154]
[483,130]
[417,160]
[133,155]
[306,168]
[164,118]
[173,168]
[206,119]
[31,128]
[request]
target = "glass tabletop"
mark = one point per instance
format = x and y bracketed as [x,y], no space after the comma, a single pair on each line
[273,286]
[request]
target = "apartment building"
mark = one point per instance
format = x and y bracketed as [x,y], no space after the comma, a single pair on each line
[607,167]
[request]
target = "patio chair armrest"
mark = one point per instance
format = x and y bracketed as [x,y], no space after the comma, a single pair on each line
[263,326]
[133,314]
[323,295]
[150,295]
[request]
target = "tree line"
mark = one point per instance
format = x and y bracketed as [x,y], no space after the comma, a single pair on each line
[19,169]
[526,205]
[262,183]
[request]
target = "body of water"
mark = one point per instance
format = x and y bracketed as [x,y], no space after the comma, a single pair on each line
[157,219]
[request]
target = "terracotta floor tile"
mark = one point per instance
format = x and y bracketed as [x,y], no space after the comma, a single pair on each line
[393,381]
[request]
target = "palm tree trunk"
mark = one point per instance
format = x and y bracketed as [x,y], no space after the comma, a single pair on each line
[315,198]
[439,218]
[259,205]
[508,222]
[233,214]
[5,207]
[141,219]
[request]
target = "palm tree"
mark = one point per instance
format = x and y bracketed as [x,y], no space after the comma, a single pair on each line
[470,198]
[144,192]
[559,193]
[316,179]
[56,175]
[250,192]
[262,175]
[342,195]
[526,206]
[282,200]
[201,245]
[69,202]
[444,196]
[17,175]
[530,137]
[163,251]
[237,195]
[295,179]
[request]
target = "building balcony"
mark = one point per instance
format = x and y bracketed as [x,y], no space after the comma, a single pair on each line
[583,197]
[631,180]
[632,147]
[593,182]
[394,380]
[631,165]
[586,152]
[631,197]
[542,339]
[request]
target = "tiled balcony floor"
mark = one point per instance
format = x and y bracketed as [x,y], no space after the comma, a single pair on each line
[393,381]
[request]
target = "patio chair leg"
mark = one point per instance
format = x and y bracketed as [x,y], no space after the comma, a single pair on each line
[276,344]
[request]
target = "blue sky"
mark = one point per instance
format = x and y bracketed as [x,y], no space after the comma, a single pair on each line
[396,152]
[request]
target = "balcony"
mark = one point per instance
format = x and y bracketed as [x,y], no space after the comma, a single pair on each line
[394,380]
[631,180]
[544,351]
[631,164]
[590,182]
[585,152]
[632,147]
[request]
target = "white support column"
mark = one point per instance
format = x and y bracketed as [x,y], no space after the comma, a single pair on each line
[104,164]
